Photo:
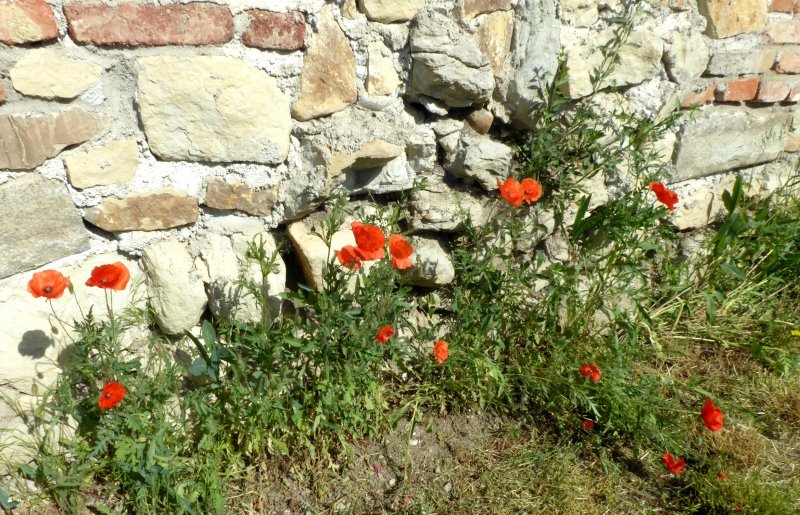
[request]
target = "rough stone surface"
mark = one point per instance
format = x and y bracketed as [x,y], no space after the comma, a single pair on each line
[241,197]
[228,298]
[789,62]
[444,206]
[159,209]
[382,79]
[784,31]
[196,23]
[174,286]
[724,139]
[368,156]
[579,13]
[239,114]
[328,79]
[472,8]
[731,17]
[772,91]
[494,38]
[482,159]
[740,62]
[26,21]
[432,267]
[112,163]
[275,31]
[30,234]
[27,141]
[312,252]
[44,73]
[639,60]
[390,11]
[686,58]
[447,65]
[534,57]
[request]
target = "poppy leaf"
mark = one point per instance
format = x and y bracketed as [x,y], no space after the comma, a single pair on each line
[733,270]
[209,335]
[198,367]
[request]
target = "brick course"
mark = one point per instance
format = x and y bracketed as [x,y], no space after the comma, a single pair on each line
[129,24]
[784,31]
[275,31]
[772,91]
[739,90]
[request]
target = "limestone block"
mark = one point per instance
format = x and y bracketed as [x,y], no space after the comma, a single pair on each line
[639,60]
[28,141]
[472,8]
[726,61]
[382,79]
[724,139]
[45,73]
[175,287]
[239,114]
[312,251]
[328,79]
[151,211]
[493,38]
[446,64]
[535,49]
[113,163]
[241,197]
[441,206]
[686,59]
[731,17]
[432,267]
[29,233]
[579,13]
[482,159]
[390,11]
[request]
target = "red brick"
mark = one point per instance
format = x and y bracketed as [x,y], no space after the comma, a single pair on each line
[782,6]
[275,31]
[26,21]
[2,94]
[789,62]
[699,97]
[794,95]
[740,90]
[772,91]
[198,23]
[784,31]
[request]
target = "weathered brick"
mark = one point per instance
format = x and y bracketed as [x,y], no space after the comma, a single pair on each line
[739,90]
[699,97]
[792,143]
[783,31]
[2,94]
[731,17]
[26,21]
[782,6]
[794,95]
[772,91]
[789,62]
[130,24]
[275,31]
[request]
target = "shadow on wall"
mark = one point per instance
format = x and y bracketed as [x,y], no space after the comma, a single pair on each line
[34,344]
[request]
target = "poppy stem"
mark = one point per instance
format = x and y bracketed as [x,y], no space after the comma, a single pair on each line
[110,307]
[64,327]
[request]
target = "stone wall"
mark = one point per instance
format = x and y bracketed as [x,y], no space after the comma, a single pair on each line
[167,134]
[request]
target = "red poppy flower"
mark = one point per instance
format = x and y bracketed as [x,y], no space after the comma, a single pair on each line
[587,425]
[591,370]
[665,196]
[723,476]
[674,467]
[712,416]
[48,283]
[111,395]
[511,191]
[401,251]
[370,240]
[348,257]
[440,351]
[532,190]
[384,334]
[114,276]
